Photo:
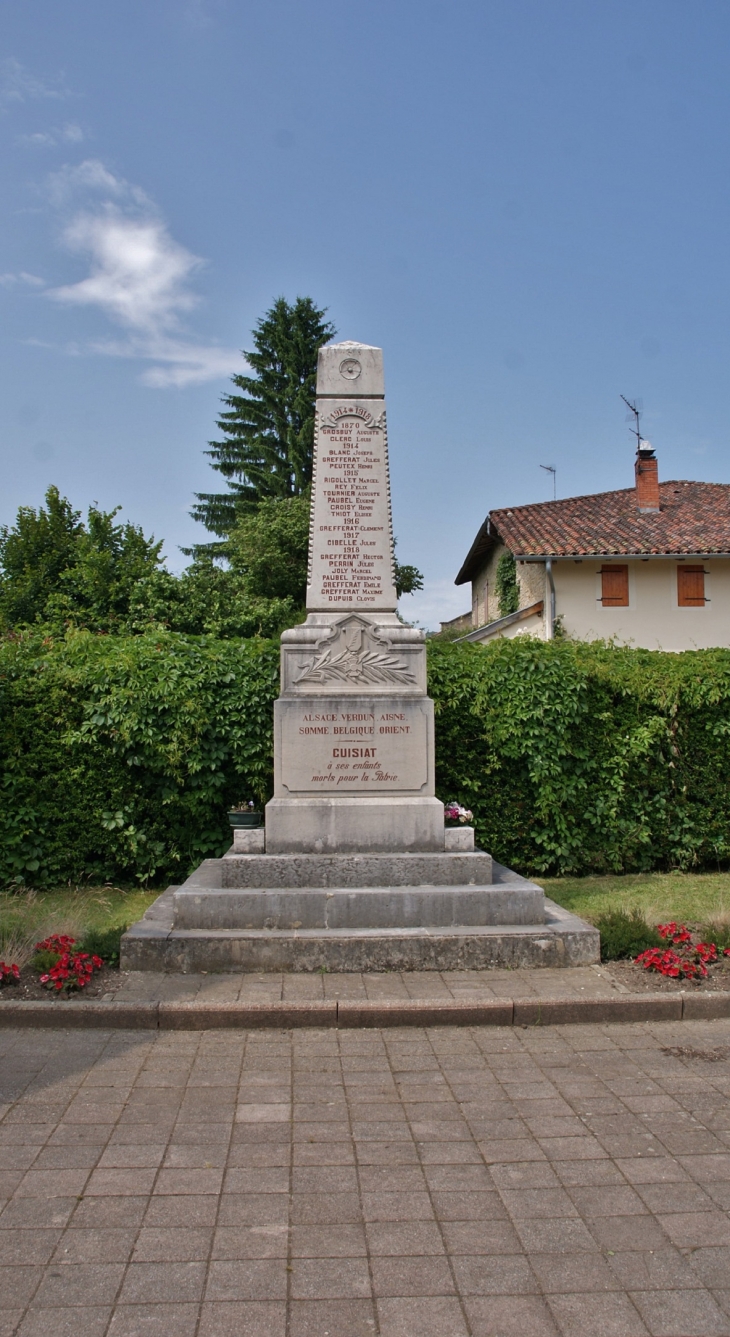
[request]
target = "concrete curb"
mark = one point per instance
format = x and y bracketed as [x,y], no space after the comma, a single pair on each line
[63,1014]
[244,1016]
[424,1012]
[567,1011]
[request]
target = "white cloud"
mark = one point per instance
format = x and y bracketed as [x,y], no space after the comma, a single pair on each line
[182,363]
[93,179]
[17,84]
[71,133]
[32,280]
[41,139]
[138,272]
[138,276]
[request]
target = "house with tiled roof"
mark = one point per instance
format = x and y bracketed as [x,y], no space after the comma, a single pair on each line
[647,565]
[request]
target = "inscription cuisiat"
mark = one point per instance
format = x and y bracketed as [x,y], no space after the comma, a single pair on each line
[354,765]
[351,463]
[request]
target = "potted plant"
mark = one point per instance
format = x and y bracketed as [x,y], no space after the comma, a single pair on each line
[245,814]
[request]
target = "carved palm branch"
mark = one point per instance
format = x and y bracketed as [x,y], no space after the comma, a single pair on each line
[371,666]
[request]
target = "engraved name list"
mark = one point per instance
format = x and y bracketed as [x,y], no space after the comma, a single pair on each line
[351,556]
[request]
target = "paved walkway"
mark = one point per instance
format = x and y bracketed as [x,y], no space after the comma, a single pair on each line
[397,1183]
[427,985]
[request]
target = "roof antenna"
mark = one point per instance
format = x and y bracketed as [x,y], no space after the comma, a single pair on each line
[634,409]
[550,469]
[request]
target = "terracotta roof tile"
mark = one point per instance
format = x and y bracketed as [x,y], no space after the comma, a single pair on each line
[693,518]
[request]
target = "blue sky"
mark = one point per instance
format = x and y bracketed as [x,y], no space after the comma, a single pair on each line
[526,204]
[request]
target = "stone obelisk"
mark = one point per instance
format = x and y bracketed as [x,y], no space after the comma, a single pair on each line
[353,726]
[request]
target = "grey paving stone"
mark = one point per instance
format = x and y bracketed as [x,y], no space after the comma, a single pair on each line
[503,1274]
[678,1312]
[177,1245]
[510,1316]
[94,1246]
[245,1319]
[435,1316]
[154,1320]
[64,1322]
[330,1278]
[248,1279]
[547,1183]
[611,1315]
[337,1318]
[76,1284]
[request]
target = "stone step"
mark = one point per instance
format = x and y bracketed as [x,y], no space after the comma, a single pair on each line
[154,944]
[350,870]
[355,908]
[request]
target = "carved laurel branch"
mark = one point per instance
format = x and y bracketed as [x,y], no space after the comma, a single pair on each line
[369,666]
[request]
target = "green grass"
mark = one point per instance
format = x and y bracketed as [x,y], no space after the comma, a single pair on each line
[25,917]
[698,897]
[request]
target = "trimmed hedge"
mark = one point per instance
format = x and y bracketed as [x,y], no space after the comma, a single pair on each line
[120,755]
[585,757]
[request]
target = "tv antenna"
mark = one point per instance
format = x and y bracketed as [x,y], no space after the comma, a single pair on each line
[635,412]
[550,469]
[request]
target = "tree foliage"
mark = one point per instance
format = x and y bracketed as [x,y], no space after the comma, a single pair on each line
[34,554]
[268,549]
[207,600]
[56,570]
[268,428]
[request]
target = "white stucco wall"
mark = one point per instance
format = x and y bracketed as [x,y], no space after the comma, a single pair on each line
[653,619]
[532,626]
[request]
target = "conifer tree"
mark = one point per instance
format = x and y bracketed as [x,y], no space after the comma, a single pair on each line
[268,428]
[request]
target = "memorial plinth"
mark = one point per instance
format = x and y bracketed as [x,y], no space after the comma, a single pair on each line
[354,869]
[353,726]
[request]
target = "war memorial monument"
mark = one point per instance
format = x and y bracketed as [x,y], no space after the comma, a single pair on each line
[354,868]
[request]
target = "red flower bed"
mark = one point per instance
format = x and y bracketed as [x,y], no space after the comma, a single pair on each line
[685,959]
[71,970]
[58,942]
[9,974]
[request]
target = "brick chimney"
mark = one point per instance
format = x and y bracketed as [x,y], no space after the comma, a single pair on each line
[647,478]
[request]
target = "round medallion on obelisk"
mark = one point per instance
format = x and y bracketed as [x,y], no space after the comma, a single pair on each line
[350,369]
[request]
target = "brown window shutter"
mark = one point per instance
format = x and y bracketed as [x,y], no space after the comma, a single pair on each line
[615,586]
[691,586]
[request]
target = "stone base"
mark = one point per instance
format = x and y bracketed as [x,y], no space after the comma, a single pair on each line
[469,869]
[380,908]
[253,841]
[315,825]
[153,944]
[459,838]
[249,840]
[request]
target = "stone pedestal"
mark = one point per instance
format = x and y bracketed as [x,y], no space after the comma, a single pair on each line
[353,727]
[351,826]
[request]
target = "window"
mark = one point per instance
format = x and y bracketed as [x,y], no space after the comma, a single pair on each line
[615,586]
[691,586]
